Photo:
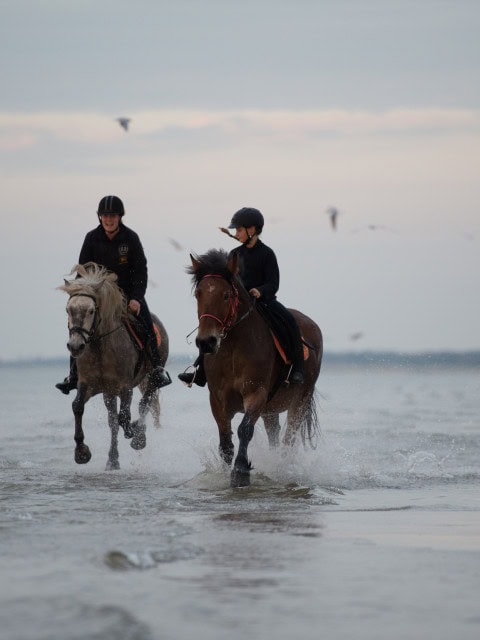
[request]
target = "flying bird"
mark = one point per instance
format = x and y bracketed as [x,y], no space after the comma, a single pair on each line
[333,213]
[175,244]
[124,122]
[356,336]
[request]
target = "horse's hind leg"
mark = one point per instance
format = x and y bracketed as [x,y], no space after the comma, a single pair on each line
[154,401]
[82,452]
[155,408]
[294,420]
[139,427]
[272,427]
[111,404]
[302,420]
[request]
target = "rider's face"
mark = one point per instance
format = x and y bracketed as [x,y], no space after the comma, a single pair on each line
[242,234]
[110,222]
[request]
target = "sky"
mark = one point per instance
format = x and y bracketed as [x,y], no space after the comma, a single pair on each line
[290,106]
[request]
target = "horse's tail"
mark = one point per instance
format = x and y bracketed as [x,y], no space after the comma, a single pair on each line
[309,426]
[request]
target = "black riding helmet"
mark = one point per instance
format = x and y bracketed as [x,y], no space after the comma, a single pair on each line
[247,217]
[112,205]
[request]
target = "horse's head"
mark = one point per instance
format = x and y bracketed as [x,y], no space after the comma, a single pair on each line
[217,297]
[95,301]
[82,321]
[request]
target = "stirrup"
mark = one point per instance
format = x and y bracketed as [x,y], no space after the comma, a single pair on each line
[188,378]
[294,377]
[160,377]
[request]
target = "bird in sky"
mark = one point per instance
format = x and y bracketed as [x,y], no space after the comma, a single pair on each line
[333,213]
[124,122]
[356,336]
[175,244]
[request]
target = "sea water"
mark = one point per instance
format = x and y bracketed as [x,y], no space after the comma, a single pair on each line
[375,533]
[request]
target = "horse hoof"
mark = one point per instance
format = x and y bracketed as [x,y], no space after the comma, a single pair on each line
[130,429]
[112,465]
[139,442]
[82,454]
[239,478]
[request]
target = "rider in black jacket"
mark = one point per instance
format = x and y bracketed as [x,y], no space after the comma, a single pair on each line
[118,249]
[260,276]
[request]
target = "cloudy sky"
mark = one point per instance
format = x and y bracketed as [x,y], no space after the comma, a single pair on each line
[292,106]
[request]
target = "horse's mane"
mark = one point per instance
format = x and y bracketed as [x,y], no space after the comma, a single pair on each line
[96,281]
[214,262]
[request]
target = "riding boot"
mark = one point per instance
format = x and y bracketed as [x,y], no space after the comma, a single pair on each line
[198,376]
[298,365]
[71,381]
[159,376]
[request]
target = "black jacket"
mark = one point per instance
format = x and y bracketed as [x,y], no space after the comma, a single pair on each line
[259,269]
[123,255]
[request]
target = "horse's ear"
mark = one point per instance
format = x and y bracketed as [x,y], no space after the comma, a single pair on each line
[195,263]
[65,281]
[232,264]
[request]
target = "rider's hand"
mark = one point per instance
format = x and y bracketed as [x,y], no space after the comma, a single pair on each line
[134,306]
[255,293]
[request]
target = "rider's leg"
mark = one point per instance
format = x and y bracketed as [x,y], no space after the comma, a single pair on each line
[298,364]
[197,376]
[71,380]
[294,341]
[158,375]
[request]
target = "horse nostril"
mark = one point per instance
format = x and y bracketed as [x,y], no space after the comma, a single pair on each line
[212,342]
[207,345]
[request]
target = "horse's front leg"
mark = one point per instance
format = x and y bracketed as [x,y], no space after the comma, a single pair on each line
[82,452]
[111,404]
[254,405]
[224,424]
[124,415]
[240,476]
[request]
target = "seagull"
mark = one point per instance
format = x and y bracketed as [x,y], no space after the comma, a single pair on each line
[356,336]
[176,245]
[333,213]
[124,122]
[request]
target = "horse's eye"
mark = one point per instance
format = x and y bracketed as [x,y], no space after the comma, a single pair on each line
[226,295]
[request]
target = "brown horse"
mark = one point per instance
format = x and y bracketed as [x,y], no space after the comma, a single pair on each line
[107,359]
[245,373]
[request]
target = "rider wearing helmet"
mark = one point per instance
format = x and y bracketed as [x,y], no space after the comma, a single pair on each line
[260,276]
[118,249]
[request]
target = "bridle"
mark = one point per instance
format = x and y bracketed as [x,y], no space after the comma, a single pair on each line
[228,321]
[86,335]
[89,336]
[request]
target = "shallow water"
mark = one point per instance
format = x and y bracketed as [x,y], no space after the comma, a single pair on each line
[374,534]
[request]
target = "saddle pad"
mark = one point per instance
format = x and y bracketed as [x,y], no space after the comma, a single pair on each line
[138,342]
[282,352]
